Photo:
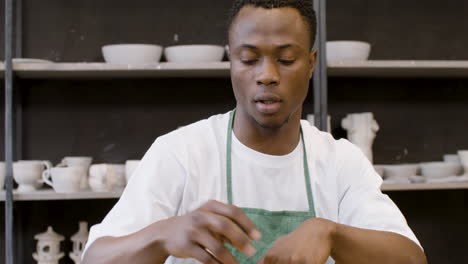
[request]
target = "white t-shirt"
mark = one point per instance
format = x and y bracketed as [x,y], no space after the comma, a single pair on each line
[187,167]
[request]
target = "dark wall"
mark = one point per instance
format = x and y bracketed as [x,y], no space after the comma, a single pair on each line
[115,120]
[75,30]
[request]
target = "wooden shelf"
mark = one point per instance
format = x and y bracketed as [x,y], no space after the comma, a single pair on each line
[105,70]
[368,69]
[425,186]
[50,195]
[399,68]
[44,195]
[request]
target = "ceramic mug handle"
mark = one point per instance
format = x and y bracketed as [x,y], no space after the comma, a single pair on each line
[48,165]
[46,177]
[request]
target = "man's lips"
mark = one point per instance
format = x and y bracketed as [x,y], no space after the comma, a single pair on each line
[267,103]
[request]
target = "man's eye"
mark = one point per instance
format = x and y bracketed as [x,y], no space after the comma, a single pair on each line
[249,62]
[286,62]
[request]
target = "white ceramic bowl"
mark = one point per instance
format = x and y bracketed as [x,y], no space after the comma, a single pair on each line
[440,169]
[347,51]
[132,53]
[194,53]
[401,170]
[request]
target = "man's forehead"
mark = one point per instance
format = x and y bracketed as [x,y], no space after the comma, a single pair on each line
[283,26]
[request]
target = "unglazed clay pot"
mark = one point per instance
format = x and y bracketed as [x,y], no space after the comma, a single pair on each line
[362,129]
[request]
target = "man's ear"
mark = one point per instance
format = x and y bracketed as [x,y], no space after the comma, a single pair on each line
[312,62]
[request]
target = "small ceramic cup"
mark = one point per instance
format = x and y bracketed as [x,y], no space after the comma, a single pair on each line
[130,167]
[64,179]
[27,173]
[84,162]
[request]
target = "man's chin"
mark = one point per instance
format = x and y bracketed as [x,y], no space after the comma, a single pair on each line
[271,122]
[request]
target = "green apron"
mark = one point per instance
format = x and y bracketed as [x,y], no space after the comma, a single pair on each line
[272,225]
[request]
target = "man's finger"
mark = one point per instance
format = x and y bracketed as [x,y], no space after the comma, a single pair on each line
[220,225]
[201,255]
[215,248]
[236,215]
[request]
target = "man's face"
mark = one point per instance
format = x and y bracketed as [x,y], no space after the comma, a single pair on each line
[271,64]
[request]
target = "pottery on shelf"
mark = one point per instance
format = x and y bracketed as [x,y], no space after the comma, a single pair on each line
[79,241]
[439,169]
[362,129]
[106,177]
[311,119]
[83,162]
[28,174]
[48,247]
[64,179]
[463,154]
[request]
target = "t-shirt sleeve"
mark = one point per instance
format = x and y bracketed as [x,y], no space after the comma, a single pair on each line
[153,193]
[362,203]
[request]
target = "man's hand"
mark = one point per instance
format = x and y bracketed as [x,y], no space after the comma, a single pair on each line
[310,243]
[205,230]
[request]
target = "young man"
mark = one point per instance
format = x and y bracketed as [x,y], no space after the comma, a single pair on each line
[257,185]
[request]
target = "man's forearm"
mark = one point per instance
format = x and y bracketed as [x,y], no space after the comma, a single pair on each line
[356,245]
[139,248]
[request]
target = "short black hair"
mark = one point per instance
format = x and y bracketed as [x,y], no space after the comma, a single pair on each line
[305,8]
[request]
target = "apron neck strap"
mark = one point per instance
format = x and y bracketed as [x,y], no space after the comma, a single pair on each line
[229,164]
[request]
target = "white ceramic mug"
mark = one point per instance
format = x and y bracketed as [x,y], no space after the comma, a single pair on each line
[64,179]
[27,173]
[84,162]
[130,167]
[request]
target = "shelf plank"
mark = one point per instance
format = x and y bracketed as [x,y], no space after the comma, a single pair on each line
[105,70]
[49,194]
[371,68]
[399,68]
[425,186]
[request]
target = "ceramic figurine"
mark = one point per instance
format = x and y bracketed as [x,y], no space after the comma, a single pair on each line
[48,247]
[362,129]
[79,241]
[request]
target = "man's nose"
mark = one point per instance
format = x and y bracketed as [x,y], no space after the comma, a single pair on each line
[267,73]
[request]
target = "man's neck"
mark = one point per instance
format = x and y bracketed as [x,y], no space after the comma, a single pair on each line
[272,141]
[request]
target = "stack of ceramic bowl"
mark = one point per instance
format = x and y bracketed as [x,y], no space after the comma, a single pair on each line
[449,170]
[399,173]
